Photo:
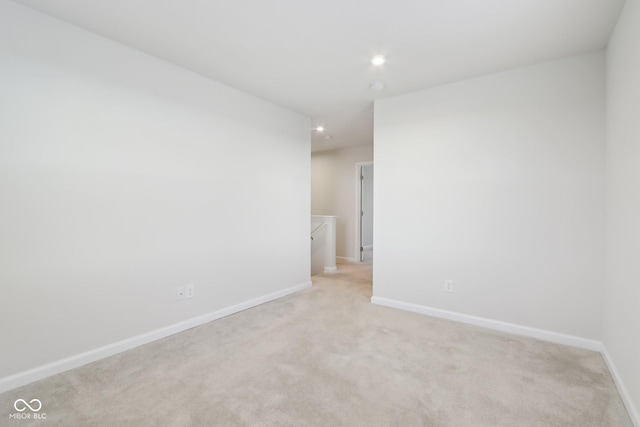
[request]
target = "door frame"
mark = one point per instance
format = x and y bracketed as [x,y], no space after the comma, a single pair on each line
[358,210]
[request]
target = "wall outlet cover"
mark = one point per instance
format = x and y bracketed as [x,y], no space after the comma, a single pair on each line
[448,286]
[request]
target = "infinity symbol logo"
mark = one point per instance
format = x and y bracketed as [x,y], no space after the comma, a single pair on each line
[26,405]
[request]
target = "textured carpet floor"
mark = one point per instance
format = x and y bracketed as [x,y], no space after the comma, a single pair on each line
[327,357]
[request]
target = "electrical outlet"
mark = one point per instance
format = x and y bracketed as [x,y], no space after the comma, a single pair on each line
[190,291]
[180,293]
[448,286]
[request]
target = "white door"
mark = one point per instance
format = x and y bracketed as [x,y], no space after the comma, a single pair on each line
[366,213]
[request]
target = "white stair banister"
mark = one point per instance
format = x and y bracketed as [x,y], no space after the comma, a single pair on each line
[326,224]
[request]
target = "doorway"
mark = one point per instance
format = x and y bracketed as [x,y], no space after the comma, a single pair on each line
[364,211]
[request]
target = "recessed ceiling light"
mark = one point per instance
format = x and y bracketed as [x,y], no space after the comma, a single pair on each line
[378,60]
[376,86]
[320,128]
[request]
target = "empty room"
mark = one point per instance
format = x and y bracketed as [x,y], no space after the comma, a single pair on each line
[285,213]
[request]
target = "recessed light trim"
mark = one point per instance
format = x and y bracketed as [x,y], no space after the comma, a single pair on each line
[378,60]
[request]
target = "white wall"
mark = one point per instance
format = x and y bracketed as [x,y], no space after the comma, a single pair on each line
[498,184]
[622,298]
[122,177]
[333,192]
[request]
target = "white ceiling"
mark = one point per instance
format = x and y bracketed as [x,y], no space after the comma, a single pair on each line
[313,57]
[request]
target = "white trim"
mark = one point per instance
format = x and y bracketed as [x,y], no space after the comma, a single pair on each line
[540,334]
[631,408]
[330,269]
[53,368]
[512,328]
[347,259]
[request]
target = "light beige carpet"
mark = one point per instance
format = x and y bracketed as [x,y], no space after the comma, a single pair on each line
[327,357]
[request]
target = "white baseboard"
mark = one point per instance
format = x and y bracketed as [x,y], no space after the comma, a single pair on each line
[347,259]
[53,368]
[540,334]
[631,408]
[330,269]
